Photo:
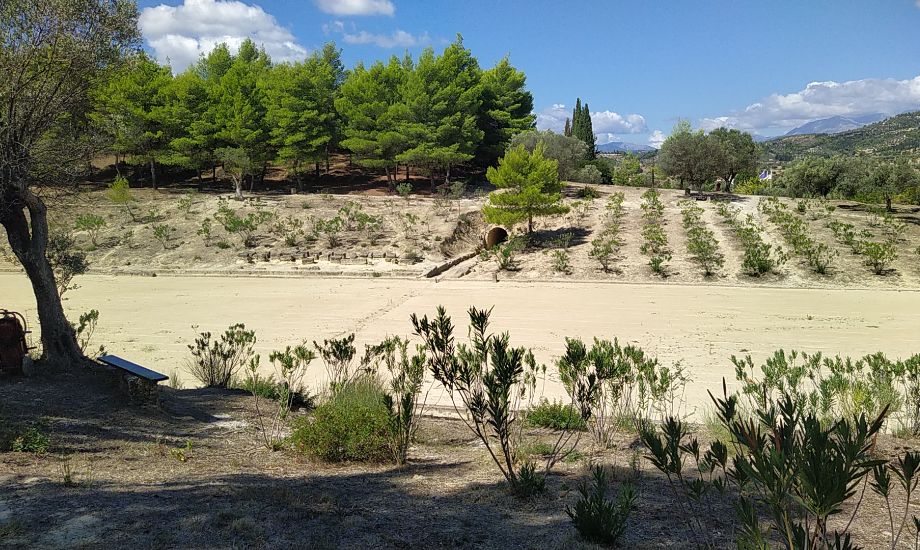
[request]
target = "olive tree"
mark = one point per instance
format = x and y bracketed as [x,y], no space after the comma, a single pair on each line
[53,53]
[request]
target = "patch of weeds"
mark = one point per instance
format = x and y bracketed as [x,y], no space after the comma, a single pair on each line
[182,454]
[555,415]
[31,438]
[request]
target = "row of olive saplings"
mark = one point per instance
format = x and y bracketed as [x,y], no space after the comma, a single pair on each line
[605,248]
[796,234]
[655,244]
[877,254]
[759,257]
[701,241]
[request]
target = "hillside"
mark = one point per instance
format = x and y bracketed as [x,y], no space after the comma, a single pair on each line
[898,135]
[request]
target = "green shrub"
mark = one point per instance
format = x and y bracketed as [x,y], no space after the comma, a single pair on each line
[404,190]
[165,234]
[561,262]
[406,376]
[597,518]
[879,255]
[204,231]
[31,438]
[242,226]
[66,261]
[352,425]
[588,192]
[92,224]
[290,229]
[604,249]
[555,415]
[187,201]
[120,194]
[215,362]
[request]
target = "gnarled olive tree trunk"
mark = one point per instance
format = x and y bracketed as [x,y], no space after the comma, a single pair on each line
[28,238]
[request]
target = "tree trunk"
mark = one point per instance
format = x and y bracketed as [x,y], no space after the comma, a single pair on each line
[316,165]
[200,181]
[447,175]
[888,205]
[238,187]
[153,173]
[390,177]
[59,342]
[407,172]
[530,224]
[213,172]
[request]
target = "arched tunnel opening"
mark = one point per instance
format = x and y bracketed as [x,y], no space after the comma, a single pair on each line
[496,235]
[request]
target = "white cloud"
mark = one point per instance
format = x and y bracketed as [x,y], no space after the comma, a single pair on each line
[183,33]
[356,7]
[821,100]
[605,123]
[656,139]
[397,39]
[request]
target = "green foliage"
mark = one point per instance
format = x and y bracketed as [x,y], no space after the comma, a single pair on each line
[215,362]
[796,234]
[406,376]
[561,262]
[290,367]
[331,228]
[354,424]
[505,254]
[66,260]
[187,201]
[656,240]
[490,378]
[338,355]
[879,255]
[290,229]
[835,387]
[568,152]
[692,157]
[589,192]
[555,415]
[582,128]
[120,194]
[701,241]
[84,330]
[204,231]
[588,174]
[29,438]
[618,385]
[528,187]
[597,518]
[92,224]
[759,257]
[165,234]
[243,226]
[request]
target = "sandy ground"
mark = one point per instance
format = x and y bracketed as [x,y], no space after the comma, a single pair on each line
[149,319]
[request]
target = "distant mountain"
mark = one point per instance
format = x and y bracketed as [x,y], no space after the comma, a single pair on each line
[623,147]
[898,135]
[835,124]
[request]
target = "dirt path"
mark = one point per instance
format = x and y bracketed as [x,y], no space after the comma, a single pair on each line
[149,319]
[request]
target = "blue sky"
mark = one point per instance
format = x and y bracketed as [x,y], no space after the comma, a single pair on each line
[764,67]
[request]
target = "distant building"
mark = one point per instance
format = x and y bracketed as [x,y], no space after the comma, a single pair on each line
[766,174]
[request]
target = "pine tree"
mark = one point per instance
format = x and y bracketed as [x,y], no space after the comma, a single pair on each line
[528,186]
[507,110]
[131,108]
[371,108]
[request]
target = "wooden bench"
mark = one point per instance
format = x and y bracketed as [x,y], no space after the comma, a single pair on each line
[140,382]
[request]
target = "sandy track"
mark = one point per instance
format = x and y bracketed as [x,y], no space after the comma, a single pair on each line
[149,319]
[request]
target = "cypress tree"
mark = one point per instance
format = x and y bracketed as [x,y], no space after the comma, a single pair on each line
[576,119]
[588,134]
[567,132]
